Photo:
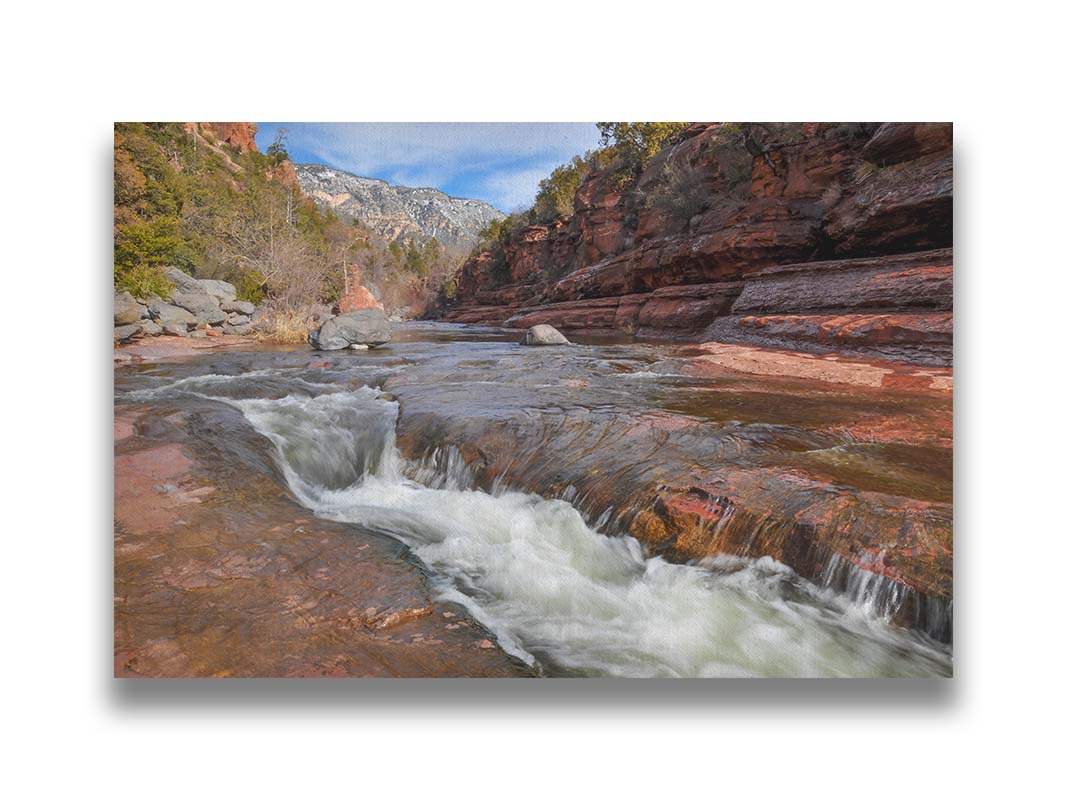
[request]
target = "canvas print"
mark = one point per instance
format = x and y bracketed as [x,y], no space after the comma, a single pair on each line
[613,399]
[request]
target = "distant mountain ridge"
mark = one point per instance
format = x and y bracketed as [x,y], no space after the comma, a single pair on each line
[395,211]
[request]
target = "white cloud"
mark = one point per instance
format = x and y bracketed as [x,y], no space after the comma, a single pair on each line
[499,162]
[516,189]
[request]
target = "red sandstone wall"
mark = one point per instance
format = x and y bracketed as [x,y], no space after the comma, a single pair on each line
[673,253]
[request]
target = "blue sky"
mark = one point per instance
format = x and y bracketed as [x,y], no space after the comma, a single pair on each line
[499,162]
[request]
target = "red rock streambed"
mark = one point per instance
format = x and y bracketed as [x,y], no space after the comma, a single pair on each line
[611,508]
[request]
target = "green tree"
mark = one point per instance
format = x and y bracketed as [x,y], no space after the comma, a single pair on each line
[277,149]
[633,144]
[432,252]
[413,258]
[555,194]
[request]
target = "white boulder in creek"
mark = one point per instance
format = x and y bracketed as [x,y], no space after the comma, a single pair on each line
[368,327]
[543,335]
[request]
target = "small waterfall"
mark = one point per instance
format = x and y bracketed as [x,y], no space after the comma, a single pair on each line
[555,590]
[881,596]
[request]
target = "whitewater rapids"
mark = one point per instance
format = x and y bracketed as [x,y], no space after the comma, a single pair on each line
[555,591]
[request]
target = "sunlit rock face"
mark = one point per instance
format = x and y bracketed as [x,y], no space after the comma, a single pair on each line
[239,135]
[821,237]
[393,211]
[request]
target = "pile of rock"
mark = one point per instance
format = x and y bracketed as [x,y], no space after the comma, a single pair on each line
[196,308]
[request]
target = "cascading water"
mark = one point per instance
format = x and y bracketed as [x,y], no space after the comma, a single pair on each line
[554,590]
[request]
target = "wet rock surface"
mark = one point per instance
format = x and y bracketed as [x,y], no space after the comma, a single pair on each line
[839,467]
[218,573]
[697,451]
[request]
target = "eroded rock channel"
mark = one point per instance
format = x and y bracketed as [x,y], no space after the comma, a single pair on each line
[605,508]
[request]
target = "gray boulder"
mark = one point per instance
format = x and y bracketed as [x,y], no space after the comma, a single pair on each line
[128,310]
[238,307]
[222,291]
[320,312]
[236,330]
[186,284]
[543,335]
[238,319]
[126,332]
[203,306]
[176,329]
[367,326]
[198,334]
[166,314]
[182,281]
[150,328]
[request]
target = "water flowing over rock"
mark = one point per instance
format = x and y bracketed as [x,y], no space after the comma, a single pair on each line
[821,237]
[709,502]
[367,326]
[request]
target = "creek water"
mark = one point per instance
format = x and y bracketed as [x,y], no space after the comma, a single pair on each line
[565,591]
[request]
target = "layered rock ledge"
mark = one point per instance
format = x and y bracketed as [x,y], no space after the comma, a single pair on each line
[815,237]
[838,466]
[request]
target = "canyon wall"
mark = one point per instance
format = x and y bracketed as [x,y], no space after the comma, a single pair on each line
[816,236]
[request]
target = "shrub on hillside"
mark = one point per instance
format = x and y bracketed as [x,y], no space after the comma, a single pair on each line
[143,281]
[627,147]
[180,202]
[555,194]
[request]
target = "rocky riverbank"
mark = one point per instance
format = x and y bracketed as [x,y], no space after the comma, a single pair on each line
[196,308]
[817,237]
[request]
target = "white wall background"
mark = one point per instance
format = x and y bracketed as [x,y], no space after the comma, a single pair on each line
[69,72]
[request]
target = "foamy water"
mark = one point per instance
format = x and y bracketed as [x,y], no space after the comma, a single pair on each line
[553,589]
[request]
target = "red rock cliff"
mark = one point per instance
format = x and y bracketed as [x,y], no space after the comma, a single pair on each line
[810,236]
[241,135]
